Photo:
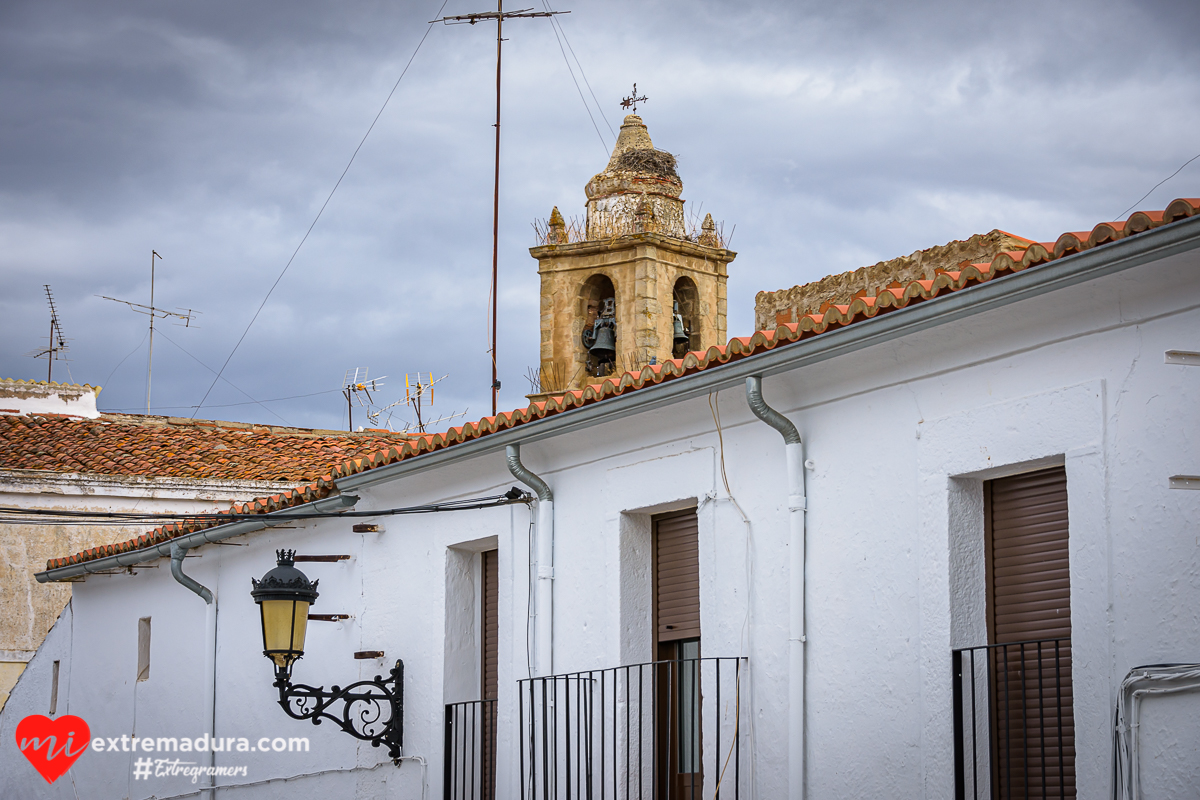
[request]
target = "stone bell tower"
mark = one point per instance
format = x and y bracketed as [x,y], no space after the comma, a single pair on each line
[631,285]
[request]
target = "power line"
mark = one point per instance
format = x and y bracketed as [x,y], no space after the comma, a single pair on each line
[1160,183]
[566,60]
[45,516]
[599,107]
[370,128]
[231,383]
[231,405]
[123,360]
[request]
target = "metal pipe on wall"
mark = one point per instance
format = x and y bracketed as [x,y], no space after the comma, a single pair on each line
[797,505]
[543,638]
[210,651]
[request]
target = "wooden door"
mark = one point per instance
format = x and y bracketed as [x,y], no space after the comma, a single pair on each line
[1029,626]
[676,572]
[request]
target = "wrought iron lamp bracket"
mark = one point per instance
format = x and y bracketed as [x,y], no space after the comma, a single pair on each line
[372,711]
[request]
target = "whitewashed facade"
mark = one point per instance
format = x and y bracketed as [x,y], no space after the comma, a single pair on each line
[903,417]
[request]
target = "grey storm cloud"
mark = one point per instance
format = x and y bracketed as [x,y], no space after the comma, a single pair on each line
[831,135]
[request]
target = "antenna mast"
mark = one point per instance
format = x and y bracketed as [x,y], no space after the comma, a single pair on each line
[58,343]
[184,314]
[355,382]
[470,19]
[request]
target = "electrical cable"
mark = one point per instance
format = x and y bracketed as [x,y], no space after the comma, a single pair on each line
[714,405]
[43,516]
[231,405]
[231,383]
[567,61]
[599,107]
[304,239]
[123,360]
[1160,183]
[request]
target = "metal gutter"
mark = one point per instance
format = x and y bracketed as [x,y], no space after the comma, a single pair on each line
[197,538]
[543,629]
[1159,243]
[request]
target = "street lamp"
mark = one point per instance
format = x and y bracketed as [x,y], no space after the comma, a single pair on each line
[283,596]
[372,711]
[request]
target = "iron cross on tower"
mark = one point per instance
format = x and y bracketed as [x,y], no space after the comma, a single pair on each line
[633,100]
[470,19]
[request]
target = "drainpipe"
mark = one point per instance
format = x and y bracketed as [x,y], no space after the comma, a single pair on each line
[794,450]
[210,652]
[544,621]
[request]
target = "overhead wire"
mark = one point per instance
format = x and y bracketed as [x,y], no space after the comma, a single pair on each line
[304,239]
[1160,183]
[231,383]
[123,360]
[246,403]
[45,516]
[583,74]
[567,61]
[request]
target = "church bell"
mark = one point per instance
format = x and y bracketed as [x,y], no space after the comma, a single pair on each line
[605,346]
[680,338]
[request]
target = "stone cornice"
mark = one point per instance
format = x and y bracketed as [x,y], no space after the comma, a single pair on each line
[629,242]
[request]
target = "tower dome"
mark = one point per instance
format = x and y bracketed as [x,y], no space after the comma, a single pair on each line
[638,191]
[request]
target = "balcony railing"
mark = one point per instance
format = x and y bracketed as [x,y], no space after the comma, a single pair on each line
[469,760]
[664,729]
[1014,728]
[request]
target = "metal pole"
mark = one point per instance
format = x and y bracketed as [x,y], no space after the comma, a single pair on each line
[496,207]
[150,357]
[50,360]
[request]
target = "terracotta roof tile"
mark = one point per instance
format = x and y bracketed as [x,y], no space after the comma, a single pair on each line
[810,325]
[135,446]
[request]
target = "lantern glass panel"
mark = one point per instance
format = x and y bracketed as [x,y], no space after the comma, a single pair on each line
[284,623]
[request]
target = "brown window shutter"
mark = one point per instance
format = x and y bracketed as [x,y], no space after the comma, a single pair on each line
[677,577]
[490,619]
[1028,574]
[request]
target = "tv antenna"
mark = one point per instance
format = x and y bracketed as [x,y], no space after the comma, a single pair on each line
[633,100]
[418,393]
[58,343]
[356,385]
[499,15]
[184,315]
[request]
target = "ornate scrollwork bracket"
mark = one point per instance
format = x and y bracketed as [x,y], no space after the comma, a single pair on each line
[372,711]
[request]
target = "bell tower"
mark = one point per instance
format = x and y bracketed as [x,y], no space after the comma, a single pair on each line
[631,285]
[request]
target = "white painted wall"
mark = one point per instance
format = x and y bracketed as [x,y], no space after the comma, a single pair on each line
[901,436]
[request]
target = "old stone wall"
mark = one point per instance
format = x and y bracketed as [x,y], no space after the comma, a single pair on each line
[788,305]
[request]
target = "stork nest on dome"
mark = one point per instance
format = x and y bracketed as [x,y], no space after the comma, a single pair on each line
[653,162]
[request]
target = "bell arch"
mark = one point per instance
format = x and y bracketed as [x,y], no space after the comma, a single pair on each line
[597,302]
[686,298]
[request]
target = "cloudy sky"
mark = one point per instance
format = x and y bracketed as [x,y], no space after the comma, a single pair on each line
[832,135]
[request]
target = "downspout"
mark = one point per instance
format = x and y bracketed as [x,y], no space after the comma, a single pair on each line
[794,451]
[210,652]
[544,596]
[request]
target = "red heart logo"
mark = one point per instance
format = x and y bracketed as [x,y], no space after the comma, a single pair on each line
[52,745]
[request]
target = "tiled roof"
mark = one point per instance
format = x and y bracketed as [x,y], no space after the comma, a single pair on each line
[829,317]
[144,446]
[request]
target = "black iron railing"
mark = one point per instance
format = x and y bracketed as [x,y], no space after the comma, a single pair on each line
[469,760]
[1014,728]
[664,729]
